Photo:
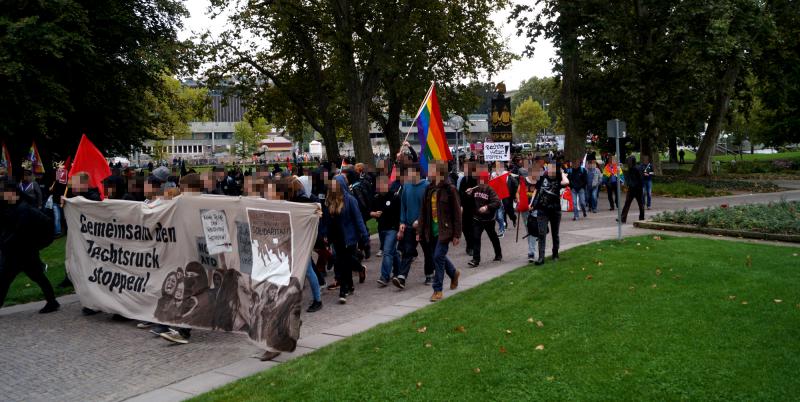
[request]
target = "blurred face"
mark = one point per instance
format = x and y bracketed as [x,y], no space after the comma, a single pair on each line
[551,170]
[434,172]
[151,191]
[26,177]
[10,196]
[208,181]
[383,184]
[79,184]
[411,176]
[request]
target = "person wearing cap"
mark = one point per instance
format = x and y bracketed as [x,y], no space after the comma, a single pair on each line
[485,204]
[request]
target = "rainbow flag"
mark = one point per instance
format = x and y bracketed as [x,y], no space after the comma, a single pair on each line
[432,138]
[5,160]
[37,167]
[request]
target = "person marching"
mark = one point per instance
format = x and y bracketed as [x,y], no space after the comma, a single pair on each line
[440,224]
[485,203]
[612,177]
[647,179]
[386,209]
[634,180]
[410,205]
[547,204]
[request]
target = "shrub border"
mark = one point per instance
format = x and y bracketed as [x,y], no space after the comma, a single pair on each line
[715,231]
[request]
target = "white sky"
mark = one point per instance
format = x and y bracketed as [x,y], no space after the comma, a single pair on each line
[522,69]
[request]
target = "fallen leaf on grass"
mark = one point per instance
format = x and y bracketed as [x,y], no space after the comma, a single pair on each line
[748,261]
[476,370]
[744,301]
[658,272]
[656,237]
[778,301]
[653,286]
[422,330]
[550,378]
[428,345]
[530,319]
[632,288]
[638,244]
[731,297]
[588,277]
[794,254]
[508,332]
[647,248]
[460,328]
[539,324]
[419,385]
[503,349]
[599,263]
[539,347]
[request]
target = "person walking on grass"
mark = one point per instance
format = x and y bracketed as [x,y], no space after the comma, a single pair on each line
[410,206]
[440,224]
[578,178]
[633,178]
[647,179]
[485,203]
[24,230]
[547,203]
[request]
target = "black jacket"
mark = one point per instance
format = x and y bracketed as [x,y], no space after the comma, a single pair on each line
[578,178]
[22,228]
[633,178]
[467,201]
[389,204]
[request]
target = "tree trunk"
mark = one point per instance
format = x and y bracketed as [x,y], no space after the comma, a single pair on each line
[331,142]
[702,163]
[392,129]
[673,149]
[359,124]
[574,139]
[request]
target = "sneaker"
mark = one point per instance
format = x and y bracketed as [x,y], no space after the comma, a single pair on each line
[555,257]
[498,258]
[454,280]
[144,325]
[399,282]
[379,253]
[531,260]
[574,218]
[362,274]
[474,263]
[88,311]
[437,296]
[314,307]
[334,285]
[268,355]
[174,336]
[159,329]
[50,307]
[540,261]
[428,280]
[382,282]
[501,235]
[342,298]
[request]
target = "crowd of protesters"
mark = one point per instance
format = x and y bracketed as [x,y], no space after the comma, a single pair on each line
[418,208]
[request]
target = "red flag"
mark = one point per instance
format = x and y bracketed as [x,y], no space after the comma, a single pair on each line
[89,159]
[522,195]
[500,186]
[393,176]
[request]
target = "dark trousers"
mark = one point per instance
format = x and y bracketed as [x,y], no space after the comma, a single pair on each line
[344,263]
[32,266]
[508,209]
[553,217]
[408,246]
[611,189]
[633,193]
[467,228]
[477,230]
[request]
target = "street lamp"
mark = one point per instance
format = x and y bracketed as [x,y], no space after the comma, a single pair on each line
[457,123]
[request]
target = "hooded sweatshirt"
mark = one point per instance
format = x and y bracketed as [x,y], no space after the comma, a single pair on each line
[411,201]
[484,195]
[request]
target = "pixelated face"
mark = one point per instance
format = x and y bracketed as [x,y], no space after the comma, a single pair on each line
[10,196]
[551,169]
[208,180]
[79,184]
[645,159]
[435,172]
[383,184]
[411,176]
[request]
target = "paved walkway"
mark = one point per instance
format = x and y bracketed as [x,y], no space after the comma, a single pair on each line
[68,357]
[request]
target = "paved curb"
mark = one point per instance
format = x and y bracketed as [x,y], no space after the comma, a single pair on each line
[35,306]
[715,231]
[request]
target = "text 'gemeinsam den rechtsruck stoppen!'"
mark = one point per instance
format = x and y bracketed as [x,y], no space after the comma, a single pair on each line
[118,255]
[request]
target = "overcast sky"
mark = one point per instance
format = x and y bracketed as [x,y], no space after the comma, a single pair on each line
[540,65]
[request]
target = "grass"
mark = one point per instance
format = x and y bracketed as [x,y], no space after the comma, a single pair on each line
[682,189]
[781,217]
[23,290]
[646,319]
[372,226]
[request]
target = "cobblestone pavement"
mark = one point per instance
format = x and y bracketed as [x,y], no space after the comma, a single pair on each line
[65,356]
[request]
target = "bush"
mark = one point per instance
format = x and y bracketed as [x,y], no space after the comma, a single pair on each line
[721,185]
[781,217]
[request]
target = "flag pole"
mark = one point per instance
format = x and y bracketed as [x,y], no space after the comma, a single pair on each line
[421,106]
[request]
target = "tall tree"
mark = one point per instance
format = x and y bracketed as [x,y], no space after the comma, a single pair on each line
[78,66]
[529,120]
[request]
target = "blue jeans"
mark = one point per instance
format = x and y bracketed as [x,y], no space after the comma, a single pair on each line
[594,192]
[391,258]
[648,191]
[500,217]
[441,264]
[578,199]
[57,218]
[531,239]
[313,282]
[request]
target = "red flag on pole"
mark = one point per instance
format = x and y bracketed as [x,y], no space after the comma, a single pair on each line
[393,176]
[500,186]
[522,195]
[89,159]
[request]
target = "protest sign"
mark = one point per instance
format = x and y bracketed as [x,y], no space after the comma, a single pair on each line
[222,263]
[497,151]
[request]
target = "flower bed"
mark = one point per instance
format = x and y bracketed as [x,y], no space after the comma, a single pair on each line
[779,218]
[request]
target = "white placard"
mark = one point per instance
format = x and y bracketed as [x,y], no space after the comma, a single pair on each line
[497,151]
[215,228]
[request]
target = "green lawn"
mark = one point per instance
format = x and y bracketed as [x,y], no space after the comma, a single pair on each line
[682,189]
[23,290]
[647,319]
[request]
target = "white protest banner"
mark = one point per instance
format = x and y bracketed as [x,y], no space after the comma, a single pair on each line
[215,229]
[154,264]
[497,151]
